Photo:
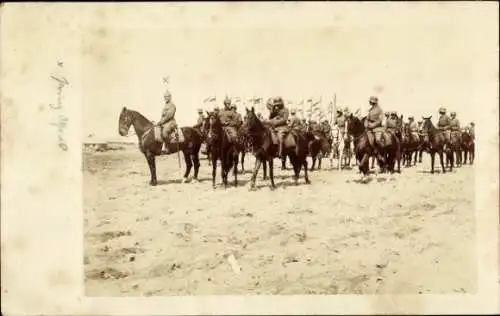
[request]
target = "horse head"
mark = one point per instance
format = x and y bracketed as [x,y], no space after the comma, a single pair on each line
[206,124]
[253,124]
[214,126]
[355,126]
[124,122]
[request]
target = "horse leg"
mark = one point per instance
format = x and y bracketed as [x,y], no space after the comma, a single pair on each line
[256,168]
[306,174]
[189,165]
[150,158]
[214,171]
[223,172]
[313,158]
[364,164]
[319,162]
[271,172]
[264,168]
[243,161]
[441,160]
[196,162]
[296,169]
[433,154]
[283,163]
[235,168]
[451,155]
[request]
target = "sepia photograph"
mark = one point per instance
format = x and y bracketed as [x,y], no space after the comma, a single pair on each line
[275,150]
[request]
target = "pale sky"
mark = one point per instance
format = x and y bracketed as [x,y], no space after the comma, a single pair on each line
[414,60]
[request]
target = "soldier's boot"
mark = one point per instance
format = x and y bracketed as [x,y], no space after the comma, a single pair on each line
[280,147]
[166,149]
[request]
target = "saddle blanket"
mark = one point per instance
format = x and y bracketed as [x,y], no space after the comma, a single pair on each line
[172,138]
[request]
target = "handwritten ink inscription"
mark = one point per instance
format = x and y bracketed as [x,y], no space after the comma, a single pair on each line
[62,121]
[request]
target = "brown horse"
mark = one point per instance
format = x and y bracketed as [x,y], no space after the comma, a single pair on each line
[265,150]
[221,149]
[389,155]
[467,146]
[314,145]
[434,143]
[410,147]
[150,147]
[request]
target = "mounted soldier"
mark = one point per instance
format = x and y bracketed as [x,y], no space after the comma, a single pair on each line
[340,122]
[391,124]
[278,118]
[294,121]
[387,116]
[201,119]
[167,121]
[444,125]
[414,129]
[326,129]
[373,124]
[454,128]
[238,117]
[229,121]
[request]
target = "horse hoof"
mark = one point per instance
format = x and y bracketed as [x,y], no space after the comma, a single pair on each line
[153,183]
[195,180]
[308,181]
[185,180]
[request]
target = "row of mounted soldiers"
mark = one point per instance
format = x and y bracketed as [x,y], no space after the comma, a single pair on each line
[282,120]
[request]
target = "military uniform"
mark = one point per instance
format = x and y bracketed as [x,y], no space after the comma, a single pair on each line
[414,130]
[278,119]
[374,123]
[326,129]
[167,120]
[454,128]
[200,121]
[471,130]
[229,121]
[238,117]
[391,124]
[294,122]
[444,125]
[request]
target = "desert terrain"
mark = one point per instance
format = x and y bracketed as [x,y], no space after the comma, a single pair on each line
[409,233]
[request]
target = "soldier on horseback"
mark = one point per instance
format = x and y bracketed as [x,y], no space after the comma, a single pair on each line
[200,120]
[294,121]
[373,125]
[454,127]
[278,118]
[167,121]
[413,129]
[229,121]
[391,124]
[387,115]
[444,125]
[237,115]
[326,129]
[340,122]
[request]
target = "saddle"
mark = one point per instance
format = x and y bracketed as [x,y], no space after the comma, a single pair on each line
[172,139]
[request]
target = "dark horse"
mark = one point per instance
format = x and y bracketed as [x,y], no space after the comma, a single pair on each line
[151,148]
[434,143]
[468,147]
[264,150]
[319,146]
[363,150]
[410,147]
[221,149]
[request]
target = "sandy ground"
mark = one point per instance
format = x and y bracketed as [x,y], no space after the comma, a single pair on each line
[410,233]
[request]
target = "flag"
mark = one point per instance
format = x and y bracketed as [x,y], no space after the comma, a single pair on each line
[210,99]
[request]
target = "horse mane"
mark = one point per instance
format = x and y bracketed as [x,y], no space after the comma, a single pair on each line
[138,115]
